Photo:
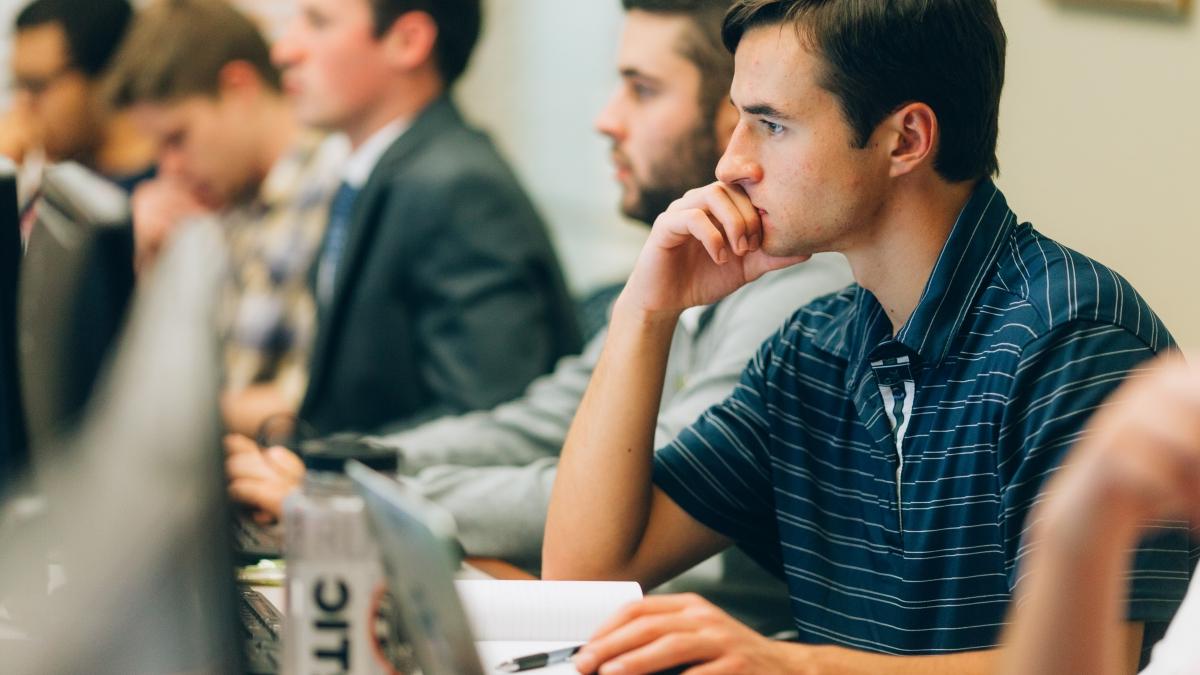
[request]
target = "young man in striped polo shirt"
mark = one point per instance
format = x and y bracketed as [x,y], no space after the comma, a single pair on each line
[883,449]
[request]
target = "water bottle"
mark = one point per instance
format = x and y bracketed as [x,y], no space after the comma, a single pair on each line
[339,617]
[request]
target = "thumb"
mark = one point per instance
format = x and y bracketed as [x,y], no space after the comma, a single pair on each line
[286,462]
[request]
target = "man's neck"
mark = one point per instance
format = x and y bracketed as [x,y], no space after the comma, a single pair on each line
[405,100]
[897,257]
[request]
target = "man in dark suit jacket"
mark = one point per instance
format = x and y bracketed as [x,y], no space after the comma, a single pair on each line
[437,288]
[448,296]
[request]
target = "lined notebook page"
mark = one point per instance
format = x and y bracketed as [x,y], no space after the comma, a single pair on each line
[542,610]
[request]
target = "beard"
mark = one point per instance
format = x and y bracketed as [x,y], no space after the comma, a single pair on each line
[689,163]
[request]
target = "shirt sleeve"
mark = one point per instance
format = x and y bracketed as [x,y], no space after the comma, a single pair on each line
[523,430]
[499,511]
[718,469]
[1062,380]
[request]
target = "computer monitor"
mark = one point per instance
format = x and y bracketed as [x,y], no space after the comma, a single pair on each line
[137,512]
[75,284]
[12,418]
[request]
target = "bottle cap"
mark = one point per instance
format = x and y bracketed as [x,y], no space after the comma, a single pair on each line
[332,452]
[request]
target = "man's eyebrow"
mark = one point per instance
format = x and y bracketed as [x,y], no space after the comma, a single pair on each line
[765,110]
[631,73]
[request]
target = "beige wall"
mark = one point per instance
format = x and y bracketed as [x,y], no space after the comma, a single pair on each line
[1100,144]
[1100,134]
[541,73]
[1099,147]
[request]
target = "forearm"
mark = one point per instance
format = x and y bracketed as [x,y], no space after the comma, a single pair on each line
[1070,615]
[604,479]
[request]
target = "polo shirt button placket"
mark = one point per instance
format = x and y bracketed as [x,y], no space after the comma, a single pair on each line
[897,387]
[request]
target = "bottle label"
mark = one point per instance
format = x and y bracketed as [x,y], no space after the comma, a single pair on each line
[340,621]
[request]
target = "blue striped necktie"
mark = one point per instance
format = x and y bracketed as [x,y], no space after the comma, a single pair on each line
[340,211]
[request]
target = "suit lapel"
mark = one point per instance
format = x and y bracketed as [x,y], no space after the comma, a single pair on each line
[364,222]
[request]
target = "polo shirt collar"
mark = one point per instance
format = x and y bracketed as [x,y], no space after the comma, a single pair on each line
[962,268]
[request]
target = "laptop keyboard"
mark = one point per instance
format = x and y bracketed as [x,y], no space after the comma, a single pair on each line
[262,626]
[253,542]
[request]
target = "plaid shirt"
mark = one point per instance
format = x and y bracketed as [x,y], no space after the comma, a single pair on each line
[268,314]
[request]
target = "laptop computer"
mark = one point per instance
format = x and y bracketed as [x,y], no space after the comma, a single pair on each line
[418,547]
[420,555]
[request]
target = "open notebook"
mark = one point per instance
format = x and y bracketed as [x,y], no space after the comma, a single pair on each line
[516,618]
[443,619]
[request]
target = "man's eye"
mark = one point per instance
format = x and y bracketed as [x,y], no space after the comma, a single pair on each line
[772,128]
[641,91]
[316,20]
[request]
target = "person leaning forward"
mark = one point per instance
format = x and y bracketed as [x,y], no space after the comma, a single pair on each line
[883,449]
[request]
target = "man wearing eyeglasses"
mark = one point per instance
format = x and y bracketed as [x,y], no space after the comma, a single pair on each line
[61,51]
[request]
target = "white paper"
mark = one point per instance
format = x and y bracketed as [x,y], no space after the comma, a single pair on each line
[566,611]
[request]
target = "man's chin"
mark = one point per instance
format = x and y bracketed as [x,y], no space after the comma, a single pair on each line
[635,210]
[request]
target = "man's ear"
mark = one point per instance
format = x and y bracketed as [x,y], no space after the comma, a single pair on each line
[912,133]
[409,42]
[237,79]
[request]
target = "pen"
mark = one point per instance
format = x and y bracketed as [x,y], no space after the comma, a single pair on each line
[538,660]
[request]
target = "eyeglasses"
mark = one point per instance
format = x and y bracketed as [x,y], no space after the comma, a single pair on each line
[37,86]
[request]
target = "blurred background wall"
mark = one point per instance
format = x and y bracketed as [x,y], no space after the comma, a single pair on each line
[1100,143]
[1099,147]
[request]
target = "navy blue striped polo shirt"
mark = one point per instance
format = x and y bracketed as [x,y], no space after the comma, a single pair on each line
[888,479]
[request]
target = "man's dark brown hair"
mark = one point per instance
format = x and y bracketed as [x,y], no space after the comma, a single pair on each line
[93,29]
[701,44]
[880,55]
[177,49]
[458,22]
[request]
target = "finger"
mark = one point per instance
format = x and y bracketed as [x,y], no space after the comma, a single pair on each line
[730,220]
[721,666]
[678,228]
[737,196]
[285,462]
[682,227]
[237,443]
[668,651]
[654,604]
[249,466]
[635,634]
[258,494]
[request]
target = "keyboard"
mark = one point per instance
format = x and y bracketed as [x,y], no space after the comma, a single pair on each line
[262,626]
[253,542]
